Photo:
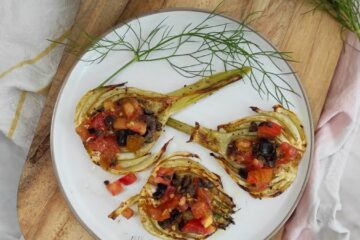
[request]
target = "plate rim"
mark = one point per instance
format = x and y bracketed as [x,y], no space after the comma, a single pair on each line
[196,10]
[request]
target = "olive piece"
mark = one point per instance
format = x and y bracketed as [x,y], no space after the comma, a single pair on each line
[267,150]
[160,191]
[94,131]
[151,126]
[148,111]
[186,181]
[158,126]
[176,180]
[266,123]
[190,190]
[205,183]
[243,172]
[253,127]
[109,121]
[174,215]
[121,136]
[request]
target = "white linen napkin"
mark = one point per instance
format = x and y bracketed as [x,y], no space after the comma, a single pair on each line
[28,62]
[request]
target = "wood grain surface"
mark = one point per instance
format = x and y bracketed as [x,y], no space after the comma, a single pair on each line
[313,38]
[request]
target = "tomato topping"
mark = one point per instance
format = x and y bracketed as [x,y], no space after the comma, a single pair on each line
[157,214]
[170,190]
[269,129]
[104,144]
[164,176]
[127,213]
[97,121]
[200,210]
[255,164]
[108,148]
[260,178]
[128,179]
[171,203]
[195,226]
[203,195]
[83,132]
[114,188]
[286,153]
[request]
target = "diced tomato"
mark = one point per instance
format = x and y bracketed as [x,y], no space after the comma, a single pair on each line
[286,153]
[157,214]
[97,121]
[171,203]
[104,144]
[83,132]
[203,195]
[115,187]
[128,179]
[269,129]
[248,157]
[195,226]
[108,148]
[162,171]
[170,191]
[164,175]
[200,210]
[127,213]
[260,178]
[255,164]
[162,180]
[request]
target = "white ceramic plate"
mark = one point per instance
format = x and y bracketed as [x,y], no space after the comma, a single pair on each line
[82,182]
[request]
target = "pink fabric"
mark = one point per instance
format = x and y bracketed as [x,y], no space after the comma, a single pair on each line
[337,115]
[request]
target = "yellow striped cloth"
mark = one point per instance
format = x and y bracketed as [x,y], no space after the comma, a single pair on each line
[28,62]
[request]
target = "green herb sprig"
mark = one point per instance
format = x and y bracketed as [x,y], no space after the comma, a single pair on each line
[222,43]
[346,12]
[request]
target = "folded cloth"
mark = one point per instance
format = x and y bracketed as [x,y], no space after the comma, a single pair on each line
[315,217]
[28,61]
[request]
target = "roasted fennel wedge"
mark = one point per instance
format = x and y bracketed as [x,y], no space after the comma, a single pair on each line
[119,125]
[261,153]
[181,200]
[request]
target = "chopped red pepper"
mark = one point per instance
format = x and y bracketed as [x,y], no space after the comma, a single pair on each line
[200,210]
[203,195]
[128,179]
[260,178]
[286,153]
[127,213]
[255,164]
[97,121]
[269,129]
[164,176]
[195,226]
[114,188]
[157,214]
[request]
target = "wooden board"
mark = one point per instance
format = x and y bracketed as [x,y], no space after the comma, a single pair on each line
[313,38]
